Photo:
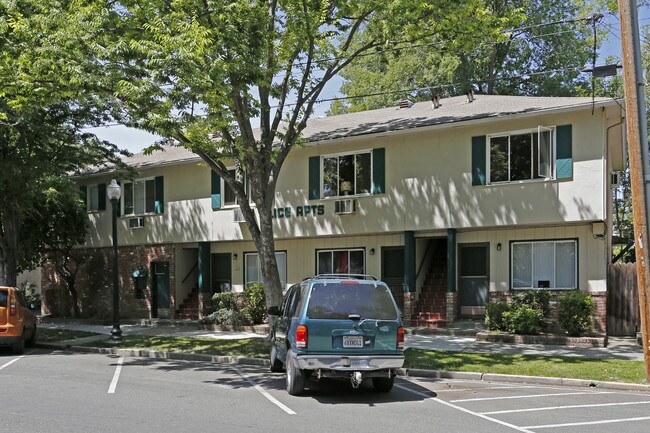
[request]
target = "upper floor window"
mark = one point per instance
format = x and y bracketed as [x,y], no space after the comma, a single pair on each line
[139,196]
[522,155]
[229,197]
[94,196]
[347,174]
[544,264]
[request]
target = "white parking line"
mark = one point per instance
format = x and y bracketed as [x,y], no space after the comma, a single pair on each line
[462,409]
[7,364]
[263,392]
[577,406]
[575,424]
[529,396]
[116,376]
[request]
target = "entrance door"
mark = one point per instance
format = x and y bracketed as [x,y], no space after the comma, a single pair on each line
[473,279]
[392,271]
[161,284]
[221,273]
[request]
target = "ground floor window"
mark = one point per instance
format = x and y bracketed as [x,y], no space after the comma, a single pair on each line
[544,264]
[350,261]
[253,269]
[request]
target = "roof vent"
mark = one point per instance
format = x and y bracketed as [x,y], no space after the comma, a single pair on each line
[405,103]
[470,96]
[435,101]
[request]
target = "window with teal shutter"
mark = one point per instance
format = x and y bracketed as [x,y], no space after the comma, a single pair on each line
[479,160]
[564,152]
[216,190]
[314,177]
[159,189]
[101,196]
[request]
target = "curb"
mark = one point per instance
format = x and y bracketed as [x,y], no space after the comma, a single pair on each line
[407,372]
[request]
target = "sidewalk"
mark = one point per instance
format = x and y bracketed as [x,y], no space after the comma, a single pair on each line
[455,339]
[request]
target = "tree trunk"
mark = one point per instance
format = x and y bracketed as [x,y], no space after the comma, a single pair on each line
[9,247]
[266,250]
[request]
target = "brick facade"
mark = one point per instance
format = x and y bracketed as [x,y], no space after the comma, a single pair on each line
[94,283]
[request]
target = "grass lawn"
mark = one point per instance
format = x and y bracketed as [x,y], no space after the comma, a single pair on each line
[47,335]
[248,348]
[528,365]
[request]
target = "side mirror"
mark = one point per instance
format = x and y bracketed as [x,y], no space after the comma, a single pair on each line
[273,311]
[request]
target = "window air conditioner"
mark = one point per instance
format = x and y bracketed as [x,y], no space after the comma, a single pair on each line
[136,223]
[614,179]
[238,216]
[348,206]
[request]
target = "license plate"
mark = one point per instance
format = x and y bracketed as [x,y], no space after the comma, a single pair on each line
[352,341]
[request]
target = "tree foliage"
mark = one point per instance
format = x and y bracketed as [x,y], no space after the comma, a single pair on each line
[202,72]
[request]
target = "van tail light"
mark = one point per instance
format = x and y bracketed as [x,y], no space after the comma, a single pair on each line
[12,307]
[301,337]
[400,337]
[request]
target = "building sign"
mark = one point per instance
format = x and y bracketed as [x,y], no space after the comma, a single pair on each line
[299,211]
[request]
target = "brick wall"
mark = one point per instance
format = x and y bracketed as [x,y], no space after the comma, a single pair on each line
[94,283]
[600,312]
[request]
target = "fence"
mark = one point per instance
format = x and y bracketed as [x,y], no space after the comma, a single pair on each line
[623,317]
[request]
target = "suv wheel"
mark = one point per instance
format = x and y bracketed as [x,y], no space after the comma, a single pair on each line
[19,345]
[32,339]
[383,384]
[295,377]
[276,364]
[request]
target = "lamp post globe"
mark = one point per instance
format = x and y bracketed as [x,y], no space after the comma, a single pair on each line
[114,192]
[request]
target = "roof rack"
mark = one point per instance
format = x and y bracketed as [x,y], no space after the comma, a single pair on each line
[341,276]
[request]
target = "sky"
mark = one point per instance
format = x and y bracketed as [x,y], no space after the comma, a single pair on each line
[135,140]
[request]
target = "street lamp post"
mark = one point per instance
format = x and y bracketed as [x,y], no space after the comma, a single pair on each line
[114,191]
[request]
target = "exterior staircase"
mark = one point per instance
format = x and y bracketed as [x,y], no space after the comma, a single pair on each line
[431,307]
[189,309]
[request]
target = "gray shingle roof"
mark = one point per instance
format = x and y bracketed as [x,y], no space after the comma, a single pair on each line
[421,114]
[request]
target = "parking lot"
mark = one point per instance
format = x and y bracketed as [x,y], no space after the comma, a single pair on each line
[57,391]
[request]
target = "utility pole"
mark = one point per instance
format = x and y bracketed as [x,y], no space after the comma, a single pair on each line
[637,138]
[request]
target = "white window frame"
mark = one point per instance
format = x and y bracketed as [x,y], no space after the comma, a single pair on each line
[555,242]
[542,176]
[354,186]
[336,250]
[123,197]
[92,190]
[225,187]
[260,279]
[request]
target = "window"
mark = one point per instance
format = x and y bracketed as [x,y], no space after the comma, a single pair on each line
[93,196]
[341,261]
[229,197]
[349,174]
[139,197]
[253,270]
[521,156]
[544,264]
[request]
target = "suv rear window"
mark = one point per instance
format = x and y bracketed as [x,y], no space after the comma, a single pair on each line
[338,301]
[3,298]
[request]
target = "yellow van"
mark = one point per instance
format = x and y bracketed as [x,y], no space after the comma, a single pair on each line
[17,322]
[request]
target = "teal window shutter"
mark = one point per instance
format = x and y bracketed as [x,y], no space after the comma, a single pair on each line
[216,190]
[314,177]
[564,152]
[378,171]
[101,196]
[479,163]
[159,188]
[83,195]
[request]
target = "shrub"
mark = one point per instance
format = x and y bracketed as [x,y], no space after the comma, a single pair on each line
[255,303]
[227,317]
[575,311]
[494,320]
[225,300]
[538,299]
[524,319]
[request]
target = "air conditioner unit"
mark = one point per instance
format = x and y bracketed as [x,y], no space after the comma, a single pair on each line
[614,179]
[136,223]
[343,207]
[238,216]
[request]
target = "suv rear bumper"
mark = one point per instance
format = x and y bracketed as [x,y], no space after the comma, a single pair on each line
[349,363]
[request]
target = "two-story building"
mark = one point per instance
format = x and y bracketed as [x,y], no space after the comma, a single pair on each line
[452,206]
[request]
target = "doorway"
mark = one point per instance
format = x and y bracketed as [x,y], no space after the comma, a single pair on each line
[221,273]
[473,277]
[160,292]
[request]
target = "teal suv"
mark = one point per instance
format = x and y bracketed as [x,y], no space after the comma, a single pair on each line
[337,325]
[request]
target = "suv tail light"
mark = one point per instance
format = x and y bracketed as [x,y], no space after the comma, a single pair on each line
[301,337]
[400,337]
[12,306]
